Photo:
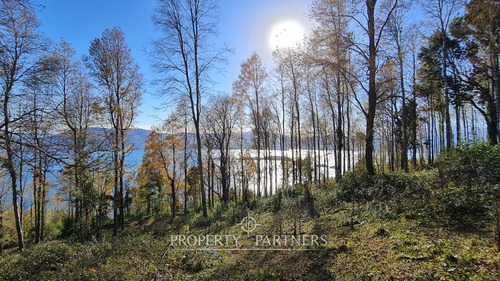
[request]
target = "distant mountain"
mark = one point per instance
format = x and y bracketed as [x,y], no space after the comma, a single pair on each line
[137,137]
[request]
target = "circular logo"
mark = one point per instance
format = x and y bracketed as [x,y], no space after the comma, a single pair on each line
[248,224]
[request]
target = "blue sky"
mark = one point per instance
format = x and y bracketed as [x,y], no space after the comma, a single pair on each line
[244,26]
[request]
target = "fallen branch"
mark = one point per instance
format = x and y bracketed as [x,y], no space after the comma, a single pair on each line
[414,258]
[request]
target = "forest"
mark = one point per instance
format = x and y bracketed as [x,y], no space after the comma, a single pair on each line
[377,134]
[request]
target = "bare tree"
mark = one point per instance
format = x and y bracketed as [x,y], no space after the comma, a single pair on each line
[182,111]
[4,189]
[397,30]
[38,137]
[185,58]
[220,122]
[74,104]
[372,25]
[117,74]
[249,87]
[290,61]
[280,114]
[19,41]
[331,44]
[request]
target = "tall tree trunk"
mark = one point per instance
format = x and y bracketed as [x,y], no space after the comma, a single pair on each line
[209,175]
[404,144]
[116,194]
[284,176]
[297,109]
[496,90]
[122,183]
[42,201]
[1,228]
[414,116]
[244,192]
[196,100]
[275,164]
[339,132]
[372,90]
[491,120]
[172,183]
[36,197]
[185,166]
[9,165]
[444,51]
[13,179]
[457,124]
[292,146]
[21,187]
[257,131]
[348,115]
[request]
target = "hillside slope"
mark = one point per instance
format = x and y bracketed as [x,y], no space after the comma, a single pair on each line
[362,245]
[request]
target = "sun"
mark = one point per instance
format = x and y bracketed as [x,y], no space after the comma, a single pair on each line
[286,34]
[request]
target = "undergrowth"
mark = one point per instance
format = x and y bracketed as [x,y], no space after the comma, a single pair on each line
[433,224]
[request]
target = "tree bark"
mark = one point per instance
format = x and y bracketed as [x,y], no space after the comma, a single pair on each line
[372,91]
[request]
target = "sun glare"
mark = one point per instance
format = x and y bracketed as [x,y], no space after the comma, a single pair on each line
[286,34]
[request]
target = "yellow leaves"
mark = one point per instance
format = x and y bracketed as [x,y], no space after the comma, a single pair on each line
[447,276]
[162,158]
[251,78]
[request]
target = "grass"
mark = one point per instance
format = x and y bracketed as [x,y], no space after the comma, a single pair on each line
[372,249]
[397,227]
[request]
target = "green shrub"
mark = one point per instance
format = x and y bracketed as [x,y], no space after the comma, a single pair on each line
[54,228]
[36,263]
[234,213]
[387,187]
[361,187]
[467,209]
[198,220]
[276,201]
[353,187]
[469,175]
[324,200]
[471,165]
[218,211]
